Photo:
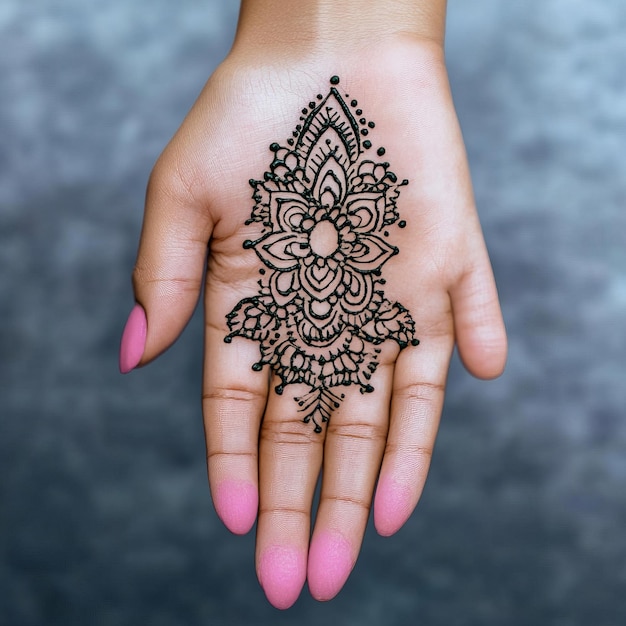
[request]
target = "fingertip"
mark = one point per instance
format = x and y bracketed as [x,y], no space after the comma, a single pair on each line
[478,323]
[483,350]
[133,342]
[236,504]
[330,564]
[282,573]
[392,506]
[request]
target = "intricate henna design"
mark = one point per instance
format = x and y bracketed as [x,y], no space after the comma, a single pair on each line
[319,313]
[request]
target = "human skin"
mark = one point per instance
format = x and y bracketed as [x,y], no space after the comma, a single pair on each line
[261,457]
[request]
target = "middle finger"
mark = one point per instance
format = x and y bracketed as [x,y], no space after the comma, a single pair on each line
[290,458]
[353,452]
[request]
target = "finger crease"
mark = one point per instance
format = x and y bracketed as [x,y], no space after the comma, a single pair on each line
[212,455]
[370,434]
[283,509]
[420,391]
[354,501]
[403,449]
[234,395]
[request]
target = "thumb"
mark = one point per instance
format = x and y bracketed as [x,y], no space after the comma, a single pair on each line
[168,272]
[479,327]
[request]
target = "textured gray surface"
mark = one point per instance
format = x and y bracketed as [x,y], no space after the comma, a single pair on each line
[105,517]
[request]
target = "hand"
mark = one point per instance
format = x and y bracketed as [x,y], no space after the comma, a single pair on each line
[261,454]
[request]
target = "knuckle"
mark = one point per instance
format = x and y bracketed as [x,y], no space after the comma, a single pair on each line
[293,432]
[144,274]
[230,454]
[170,180]
[233,394]
[352,501]
[420,392]
[284,511]
[213,325]
[368,431]
[412,450]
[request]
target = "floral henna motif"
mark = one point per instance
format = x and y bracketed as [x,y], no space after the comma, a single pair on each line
[320,312]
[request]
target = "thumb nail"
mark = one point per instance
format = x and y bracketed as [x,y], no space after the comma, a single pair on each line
[133,339]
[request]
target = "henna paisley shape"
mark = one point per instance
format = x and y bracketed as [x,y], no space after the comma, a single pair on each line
[320,311]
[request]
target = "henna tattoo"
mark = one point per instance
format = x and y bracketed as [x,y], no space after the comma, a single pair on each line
[325,209]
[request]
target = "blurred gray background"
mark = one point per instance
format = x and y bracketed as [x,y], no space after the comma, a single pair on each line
[105,515]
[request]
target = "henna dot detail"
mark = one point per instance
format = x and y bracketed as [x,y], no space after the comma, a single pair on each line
[371,124]
[334,80]
[380,151]
[415,342]
[367,144]
[402,224]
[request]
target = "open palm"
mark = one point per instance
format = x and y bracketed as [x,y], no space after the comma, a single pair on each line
[345,259]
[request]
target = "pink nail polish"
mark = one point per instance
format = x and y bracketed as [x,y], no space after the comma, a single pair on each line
[330,564]
[133,339]
[236,503]
[282,572]
[392,506]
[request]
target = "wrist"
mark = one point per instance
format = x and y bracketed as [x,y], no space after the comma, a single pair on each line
[283,28]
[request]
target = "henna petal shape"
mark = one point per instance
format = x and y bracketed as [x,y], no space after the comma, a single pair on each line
[284,286]
[275,250]
[331,183]
[370,254]
[359,288]
[288,209]
[366,211]
[320,282]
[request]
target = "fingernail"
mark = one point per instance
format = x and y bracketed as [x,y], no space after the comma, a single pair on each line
[133,339]
[330,564]
[392,506]
[236,503]
[282,572]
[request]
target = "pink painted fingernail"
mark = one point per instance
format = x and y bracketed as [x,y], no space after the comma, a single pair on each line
[330,564]
[392,506]
[133,339]
[236,503]
[282,572]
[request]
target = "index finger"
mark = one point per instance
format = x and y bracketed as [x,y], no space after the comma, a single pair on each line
[233,402]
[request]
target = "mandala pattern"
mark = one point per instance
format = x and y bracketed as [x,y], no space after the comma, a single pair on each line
[325,210]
